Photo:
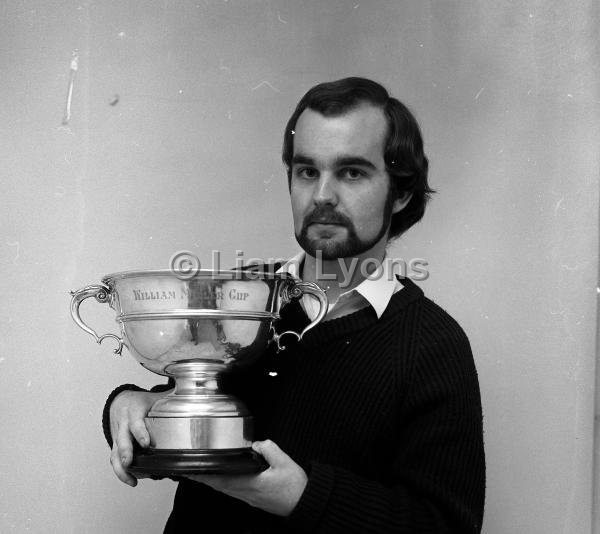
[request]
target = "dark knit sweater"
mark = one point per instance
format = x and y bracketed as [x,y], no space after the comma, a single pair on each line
[384,415]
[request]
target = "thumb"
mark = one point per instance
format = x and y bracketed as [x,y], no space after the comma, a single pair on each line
[271,452]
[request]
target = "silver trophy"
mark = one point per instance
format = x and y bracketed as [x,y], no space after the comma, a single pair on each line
[192,329]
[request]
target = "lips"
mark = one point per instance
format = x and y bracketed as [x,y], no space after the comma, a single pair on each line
[337,223]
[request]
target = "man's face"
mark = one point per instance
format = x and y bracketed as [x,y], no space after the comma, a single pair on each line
[340,190]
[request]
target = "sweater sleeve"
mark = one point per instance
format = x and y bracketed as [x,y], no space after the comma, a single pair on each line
[437,481]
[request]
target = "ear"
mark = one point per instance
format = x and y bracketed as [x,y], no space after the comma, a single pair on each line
[401,202]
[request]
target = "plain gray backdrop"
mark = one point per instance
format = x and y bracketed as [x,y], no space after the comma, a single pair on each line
[173,143]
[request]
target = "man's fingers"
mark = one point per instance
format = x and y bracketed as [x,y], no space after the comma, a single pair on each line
[270,452]
[140,433]
[127,413]
[124,445]
[119,469]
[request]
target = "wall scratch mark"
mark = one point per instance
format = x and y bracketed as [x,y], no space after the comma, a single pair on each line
[266,83]
[558,205]
[72,72]
[223,67]
[15,244]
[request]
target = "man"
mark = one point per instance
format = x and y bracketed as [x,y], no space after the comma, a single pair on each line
[373,422]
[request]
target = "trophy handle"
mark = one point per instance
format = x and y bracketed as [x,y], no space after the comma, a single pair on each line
[101,294]
[295,291]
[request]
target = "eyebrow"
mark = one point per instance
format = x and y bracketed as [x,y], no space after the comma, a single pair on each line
[349,161]
[299,159]
[343,161]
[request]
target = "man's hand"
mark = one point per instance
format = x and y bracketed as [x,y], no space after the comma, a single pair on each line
[127,413]
[276,490]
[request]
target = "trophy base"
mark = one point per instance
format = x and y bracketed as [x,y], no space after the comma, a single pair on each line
[173,462]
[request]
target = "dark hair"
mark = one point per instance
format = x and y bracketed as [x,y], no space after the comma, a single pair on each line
[404,158]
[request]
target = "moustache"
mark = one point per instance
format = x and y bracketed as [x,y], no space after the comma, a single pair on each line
[326,215]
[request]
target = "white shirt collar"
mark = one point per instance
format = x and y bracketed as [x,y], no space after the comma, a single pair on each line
[377,289]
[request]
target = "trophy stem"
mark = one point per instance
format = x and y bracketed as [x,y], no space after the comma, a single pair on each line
[195,377]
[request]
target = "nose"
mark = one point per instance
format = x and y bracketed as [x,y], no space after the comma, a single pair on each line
[325,191]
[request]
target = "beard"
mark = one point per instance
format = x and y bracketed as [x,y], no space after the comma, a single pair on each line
[352,245]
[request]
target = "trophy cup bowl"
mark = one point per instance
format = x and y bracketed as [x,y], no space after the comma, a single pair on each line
[191,328]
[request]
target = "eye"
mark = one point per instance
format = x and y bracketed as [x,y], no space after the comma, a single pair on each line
[352,173]
[308,173]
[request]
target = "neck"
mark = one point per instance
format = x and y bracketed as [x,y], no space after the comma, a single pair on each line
[342,274]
